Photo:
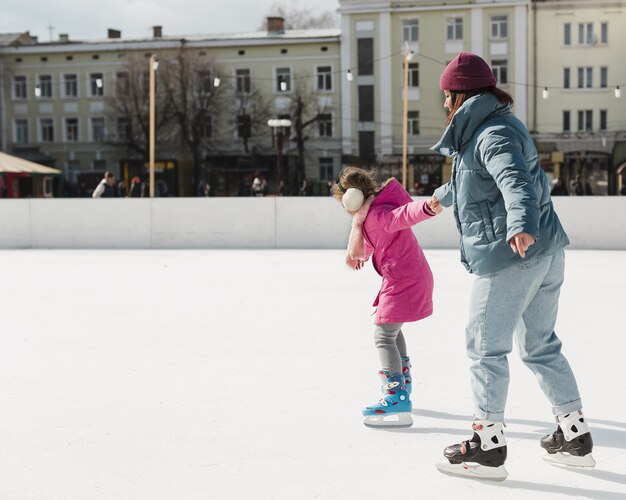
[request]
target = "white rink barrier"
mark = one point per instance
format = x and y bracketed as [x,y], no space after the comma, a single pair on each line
[597,223]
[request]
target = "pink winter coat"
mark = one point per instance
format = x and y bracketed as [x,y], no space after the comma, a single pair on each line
[406,293]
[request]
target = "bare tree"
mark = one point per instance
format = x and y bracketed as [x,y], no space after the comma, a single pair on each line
[305,112]
[252,111]
[197,98]
[127,107]
[299,18]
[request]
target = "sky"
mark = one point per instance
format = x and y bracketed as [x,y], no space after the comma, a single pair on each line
[88,19]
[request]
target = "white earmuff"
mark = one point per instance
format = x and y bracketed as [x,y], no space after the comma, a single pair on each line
[352,199]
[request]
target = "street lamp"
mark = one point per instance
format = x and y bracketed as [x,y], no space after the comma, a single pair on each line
[408,55]
[154,64]
[278,126]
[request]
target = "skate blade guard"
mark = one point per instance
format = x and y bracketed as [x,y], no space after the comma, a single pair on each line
[473,471]
[566,460]
[389,420]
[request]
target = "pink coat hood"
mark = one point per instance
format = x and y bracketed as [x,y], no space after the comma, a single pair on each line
[407,287]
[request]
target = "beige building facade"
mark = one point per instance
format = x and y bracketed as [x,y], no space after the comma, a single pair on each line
[374,35]
[579,115]
[560,60]
[56,107]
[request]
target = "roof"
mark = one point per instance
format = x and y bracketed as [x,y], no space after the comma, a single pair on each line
[14,164]
[8,39]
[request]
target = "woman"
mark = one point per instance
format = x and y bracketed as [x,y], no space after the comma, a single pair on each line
[512,240]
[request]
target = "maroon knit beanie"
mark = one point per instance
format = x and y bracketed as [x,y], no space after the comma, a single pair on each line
[466,71]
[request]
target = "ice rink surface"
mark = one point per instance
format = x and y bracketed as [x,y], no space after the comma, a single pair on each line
[241,375]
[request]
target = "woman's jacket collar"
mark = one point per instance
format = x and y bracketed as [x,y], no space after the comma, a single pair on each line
[471,115]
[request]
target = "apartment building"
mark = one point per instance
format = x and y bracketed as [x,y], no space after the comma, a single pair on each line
[56,107]
[374,34]
[579,116]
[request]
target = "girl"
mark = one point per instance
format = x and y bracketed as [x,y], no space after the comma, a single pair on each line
[512,240]
[382,217]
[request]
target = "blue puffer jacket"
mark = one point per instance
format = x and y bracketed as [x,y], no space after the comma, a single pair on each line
[498,187]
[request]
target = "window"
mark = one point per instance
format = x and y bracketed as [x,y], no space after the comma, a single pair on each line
[326,169]
[283,79]
[603,119]
[413,122]
[454,28]
[70,85]
[585,34]
[46,126]
[566,78]
[604,33]
[97,129]
[243,80]
[19,87]
[206,128]
[21,131]
[366,103]
[244,126]
[585,77]
[585,118]
[45,86]
[99,165]
[499,68]
[414,75]
[365,56]
[96,84]
[604,76]
[367,151]
[325,125]
[123,129]
[204,82]
[324,78]
[122,83]
[71,129]
[499,27]
[567,34]
[410,30]
[566,121]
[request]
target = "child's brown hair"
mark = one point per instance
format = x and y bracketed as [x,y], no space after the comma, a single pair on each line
[355,177]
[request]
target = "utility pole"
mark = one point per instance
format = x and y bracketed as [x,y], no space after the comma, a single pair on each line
[407,56]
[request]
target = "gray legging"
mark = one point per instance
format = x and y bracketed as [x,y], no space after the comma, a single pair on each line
[391,346]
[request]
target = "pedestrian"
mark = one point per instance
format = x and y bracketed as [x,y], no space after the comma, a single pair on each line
[121,189]
[382,216]
[512,241]
[304,188]
[135,187]
[106,188]
[257,187]
[559,188]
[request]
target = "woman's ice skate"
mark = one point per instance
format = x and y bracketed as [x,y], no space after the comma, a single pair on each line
[571,444]
[481,457]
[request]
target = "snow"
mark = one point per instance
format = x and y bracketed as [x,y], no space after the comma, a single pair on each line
[240,374]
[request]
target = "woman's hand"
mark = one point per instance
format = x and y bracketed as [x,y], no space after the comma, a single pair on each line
[520,243]
[434,205]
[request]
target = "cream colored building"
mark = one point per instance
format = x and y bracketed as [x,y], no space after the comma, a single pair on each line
[374,33]
[54,99]
[578,55]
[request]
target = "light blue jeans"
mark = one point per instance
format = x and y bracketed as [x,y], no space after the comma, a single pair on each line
[521,300]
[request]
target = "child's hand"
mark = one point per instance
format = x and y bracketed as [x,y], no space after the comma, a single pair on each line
[434,205]
[355,264]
